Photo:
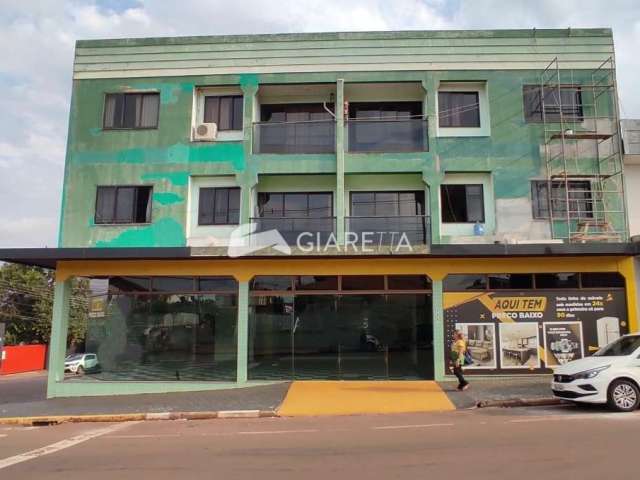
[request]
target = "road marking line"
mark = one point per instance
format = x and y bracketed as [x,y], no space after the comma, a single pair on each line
[391,427]
[158,435]
[61,445]
[263,432]
[2,435]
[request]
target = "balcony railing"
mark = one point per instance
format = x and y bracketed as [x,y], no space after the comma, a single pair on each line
[294,137]
[389,230]
[315,230]
[387,135]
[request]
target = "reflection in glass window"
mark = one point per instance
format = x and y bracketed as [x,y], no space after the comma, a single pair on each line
[602,280]
[138,335]
[462,282]
[510,281]
[557,280]
[272,283]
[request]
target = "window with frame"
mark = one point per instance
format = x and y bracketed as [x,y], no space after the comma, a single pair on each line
[565,99]
[459,109]
[295,205]
[462,203]
[226,111]
[219,206]
[580,199]
[123,204]
[131,110]
[387,204]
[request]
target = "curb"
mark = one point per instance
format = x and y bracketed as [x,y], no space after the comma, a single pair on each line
[136,417]
[521,402]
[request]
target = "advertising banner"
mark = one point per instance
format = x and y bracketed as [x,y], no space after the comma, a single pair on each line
[533,330]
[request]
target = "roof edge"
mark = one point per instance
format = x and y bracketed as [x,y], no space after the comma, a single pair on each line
[367,35]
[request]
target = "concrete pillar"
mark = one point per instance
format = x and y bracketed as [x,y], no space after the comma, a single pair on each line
[340,207]
[248,179]
[438,331]
[434,211]
[59,328]
[243,330]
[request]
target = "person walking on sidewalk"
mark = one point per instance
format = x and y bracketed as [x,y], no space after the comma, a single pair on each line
[458,351]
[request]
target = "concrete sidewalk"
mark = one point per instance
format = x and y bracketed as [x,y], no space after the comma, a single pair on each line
[263,397]
[25,397]
[499,389]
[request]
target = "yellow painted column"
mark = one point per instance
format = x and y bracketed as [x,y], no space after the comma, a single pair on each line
[627,270]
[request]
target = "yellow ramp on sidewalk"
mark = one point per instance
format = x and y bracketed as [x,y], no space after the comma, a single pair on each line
[311,398]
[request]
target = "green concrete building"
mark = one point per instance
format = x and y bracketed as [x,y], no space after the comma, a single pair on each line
[261,208]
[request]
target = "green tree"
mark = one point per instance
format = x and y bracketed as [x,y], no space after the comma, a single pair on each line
[26,304]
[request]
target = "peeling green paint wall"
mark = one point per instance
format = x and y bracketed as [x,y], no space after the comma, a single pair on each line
[166,158]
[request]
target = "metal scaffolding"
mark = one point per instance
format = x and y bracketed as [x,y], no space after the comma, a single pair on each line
[583,153]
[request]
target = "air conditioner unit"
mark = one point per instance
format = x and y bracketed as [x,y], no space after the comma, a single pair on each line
[205,132]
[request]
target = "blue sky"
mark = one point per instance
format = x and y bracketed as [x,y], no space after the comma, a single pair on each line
[36,51]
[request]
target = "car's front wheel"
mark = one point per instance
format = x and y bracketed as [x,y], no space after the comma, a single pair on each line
[623,396]
[80,370]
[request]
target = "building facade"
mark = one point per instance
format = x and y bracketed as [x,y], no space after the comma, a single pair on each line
[249,209]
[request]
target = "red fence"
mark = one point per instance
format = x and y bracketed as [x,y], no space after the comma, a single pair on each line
[23,358]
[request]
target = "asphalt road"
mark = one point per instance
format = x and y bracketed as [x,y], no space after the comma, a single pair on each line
[23,387]
[551,443]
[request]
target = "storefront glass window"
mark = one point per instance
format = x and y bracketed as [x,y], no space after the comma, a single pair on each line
[557,280]
[461,283]
[343,335]
[152,336]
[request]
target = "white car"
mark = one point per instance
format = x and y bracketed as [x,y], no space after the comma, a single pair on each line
[611,376]
[79,363]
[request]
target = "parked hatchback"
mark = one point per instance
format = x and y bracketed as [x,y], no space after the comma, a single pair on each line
[611,376]
[79,363]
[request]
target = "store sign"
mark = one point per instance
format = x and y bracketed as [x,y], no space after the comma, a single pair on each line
[533,330]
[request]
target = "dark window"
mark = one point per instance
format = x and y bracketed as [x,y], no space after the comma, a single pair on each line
[217,284]
[315,282]
[118,285]
[271,283]
[123,205]
[386,127]
[295,112]
[295,205]
[173,284]
[408,282]
[385,110]
[557,280]
[219,206]
[510,281]
[580,198]
[459,109]
[462,203]
[602,280]
[387,204]
[131,110]
[566,99]
[225,111]
[462,282]
[363,282]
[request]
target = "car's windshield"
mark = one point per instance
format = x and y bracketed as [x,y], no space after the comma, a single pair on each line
[75,356]
[620,348]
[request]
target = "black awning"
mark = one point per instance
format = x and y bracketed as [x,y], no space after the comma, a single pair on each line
[48,257]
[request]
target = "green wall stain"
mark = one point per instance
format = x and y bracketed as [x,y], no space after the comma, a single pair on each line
[165,232]
[167,198]
[178,179]
[249,80]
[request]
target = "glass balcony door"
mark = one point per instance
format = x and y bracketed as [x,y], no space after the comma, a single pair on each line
[388,216]
[294,214]
[386,127]
[295,128]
